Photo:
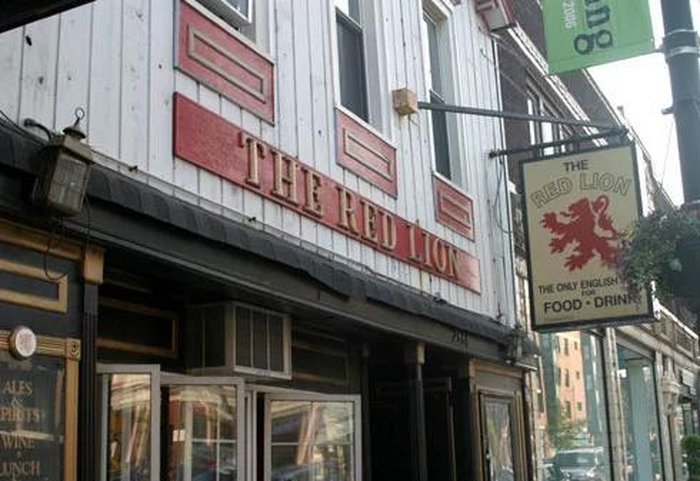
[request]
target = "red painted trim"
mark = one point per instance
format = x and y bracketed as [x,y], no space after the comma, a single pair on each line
[218,59]
[364,153]
[453,208]
[206,139]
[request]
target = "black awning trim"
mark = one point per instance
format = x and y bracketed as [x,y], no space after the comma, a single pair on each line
[118,189]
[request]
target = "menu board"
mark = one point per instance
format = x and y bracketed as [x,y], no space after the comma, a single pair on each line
[31,418]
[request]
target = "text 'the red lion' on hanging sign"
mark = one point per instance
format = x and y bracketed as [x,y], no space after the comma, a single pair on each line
[206,139]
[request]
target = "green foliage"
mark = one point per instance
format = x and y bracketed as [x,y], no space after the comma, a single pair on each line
[562,430]
[691,445]
[649,251]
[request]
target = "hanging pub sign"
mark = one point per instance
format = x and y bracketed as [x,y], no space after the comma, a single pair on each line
[584,33]
[576,208]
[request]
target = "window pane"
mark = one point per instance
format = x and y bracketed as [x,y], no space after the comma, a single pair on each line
[571,427]
[243,337]
[129,427]
[290,421]
[440,140]
[276,330]
[333,422]
[351,67]
[332,463]
[636,375]
[31,421]
[433,58]
[259,340]
[290,463]
[312,440]
[498,440]
[202,429]
[351,8]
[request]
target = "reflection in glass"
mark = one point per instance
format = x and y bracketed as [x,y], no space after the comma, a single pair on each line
[202,425]
[127,437]
[312,441]
[499,443]
[638,391]
[571,418]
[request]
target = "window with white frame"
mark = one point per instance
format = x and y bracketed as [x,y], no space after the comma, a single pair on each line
[362,86]
[435,54]
[545,132]
[313,437]
[351,57]
[249,17]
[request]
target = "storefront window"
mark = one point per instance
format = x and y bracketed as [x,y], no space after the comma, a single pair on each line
[640,414]
[127,436]
[31,417]
[499,440]
[202,422]
[571,430]
[312,441]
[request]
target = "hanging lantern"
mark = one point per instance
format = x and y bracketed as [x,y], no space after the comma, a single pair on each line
[65,171]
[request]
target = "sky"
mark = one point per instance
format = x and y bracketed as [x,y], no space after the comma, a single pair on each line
[641,87]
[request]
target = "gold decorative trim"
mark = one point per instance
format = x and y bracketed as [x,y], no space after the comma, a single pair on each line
[93,265]
[58,304]
[38,241]
[348,137]
[70,444]
[194,35]
[69,349]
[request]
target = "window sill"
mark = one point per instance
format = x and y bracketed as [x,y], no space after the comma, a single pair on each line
[365,124]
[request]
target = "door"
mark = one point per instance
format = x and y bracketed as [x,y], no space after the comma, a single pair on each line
[129,398]
[440,437]
[203,428]
[497,438]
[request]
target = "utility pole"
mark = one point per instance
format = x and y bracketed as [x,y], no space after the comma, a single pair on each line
[681,51]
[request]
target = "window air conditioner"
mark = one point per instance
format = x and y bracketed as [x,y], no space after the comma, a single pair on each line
[233,338]
[239,13]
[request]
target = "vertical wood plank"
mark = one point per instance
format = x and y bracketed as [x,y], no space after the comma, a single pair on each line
[73,75]
[38,92]
[105,77]
[135,76]
[11,52]
[162,84]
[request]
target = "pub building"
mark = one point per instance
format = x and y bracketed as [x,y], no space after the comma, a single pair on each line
[252,269]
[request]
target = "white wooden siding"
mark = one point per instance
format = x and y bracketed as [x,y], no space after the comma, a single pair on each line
[115,59]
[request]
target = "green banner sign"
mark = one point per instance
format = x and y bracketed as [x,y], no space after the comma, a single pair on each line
[583,33]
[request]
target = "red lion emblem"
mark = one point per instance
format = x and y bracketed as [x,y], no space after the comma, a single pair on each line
[589,229]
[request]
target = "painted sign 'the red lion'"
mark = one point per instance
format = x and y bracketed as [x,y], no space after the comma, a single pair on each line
[585,226]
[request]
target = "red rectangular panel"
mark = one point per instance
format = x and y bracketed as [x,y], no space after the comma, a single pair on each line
[453,208]
[206,139]
[364,153]
[215,57]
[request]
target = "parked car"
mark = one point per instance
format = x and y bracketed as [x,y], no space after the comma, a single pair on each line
[582,464]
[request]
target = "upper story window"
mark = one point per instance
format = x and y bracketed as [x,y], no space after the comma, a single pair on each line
[363,86]
[351,57]
[249,17]
[545,132]
[436,55]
